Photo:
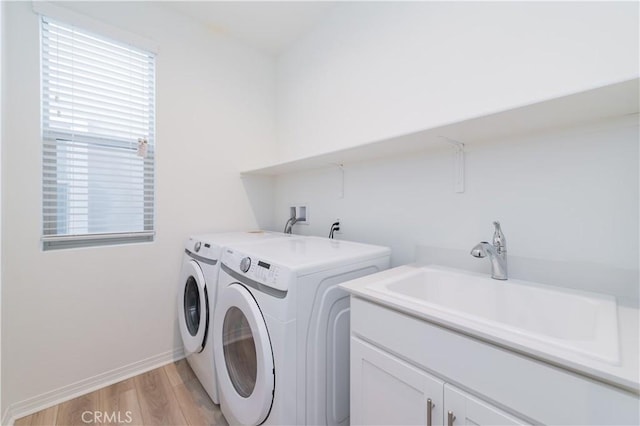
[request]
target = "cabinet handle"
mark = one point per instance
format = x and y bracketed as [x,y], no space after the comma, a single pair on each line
[430,406]
[450,418]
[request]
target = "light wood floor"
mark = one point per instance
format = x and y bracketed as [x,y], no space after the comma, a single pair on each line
[169,395]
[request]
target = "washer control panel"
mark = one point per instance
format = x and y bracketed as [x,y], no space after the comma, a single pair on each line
[260,270]
[265,272]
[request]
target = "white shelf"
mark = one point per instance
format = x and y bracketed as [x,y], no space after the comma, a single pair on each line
[609,101]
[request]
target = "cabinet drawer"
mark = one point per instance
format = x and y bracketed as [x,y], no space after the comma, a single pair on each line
[469,410]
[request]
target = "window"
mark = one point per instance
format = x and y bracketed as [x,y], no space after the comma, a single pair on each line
[98,121]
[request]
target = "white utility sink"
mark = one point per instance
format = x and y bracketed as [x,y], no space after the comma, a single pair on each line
[537,317]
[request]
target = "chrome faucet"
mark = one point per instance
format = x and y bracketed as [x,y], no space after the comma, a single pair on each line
[497,253]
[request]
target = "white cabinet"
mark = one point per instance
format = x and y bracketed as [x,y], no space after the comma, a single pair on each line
[388,391]
[399,361]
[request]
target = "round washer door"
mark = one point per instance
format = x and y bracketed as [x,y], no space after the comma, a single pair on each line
[243,356]
[193,308]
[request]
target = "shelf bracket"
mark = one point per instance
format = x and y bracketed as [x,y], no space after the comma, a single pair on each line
[458,164]
[340,167]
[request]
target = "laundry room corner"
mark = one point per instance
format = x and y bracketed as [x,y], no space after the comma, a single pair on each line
[260,190]
[83,312]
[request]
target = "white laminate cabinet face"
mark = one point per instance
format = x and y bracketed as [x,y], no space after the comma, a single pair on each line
[528,388]
[469,410]
[388,391]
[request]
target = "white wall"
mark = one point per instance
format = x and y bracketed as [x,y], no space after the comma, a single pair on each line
[71,315]
[567,201]
[372,70]
[2,38]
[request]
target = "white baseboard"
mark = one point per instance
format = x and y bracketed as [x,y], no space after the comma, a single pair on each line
[65,393]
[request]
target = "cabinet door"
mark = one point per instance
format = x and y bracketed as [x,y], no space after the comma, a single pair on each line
[387,391]
[469,410]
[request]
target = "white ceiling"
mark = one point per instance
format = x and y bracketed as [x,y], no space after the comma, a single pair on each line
[271,26]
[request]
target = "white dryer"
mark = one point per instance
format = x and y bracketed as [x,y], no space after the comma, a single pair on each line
[281,329]
[196,298]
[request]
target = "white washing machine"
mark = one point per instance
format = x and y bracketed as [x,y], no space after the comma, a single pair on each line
[281,329]
[197,295]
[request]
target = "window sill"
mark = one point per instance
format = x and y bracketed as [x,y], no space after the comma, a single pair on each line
[95,240]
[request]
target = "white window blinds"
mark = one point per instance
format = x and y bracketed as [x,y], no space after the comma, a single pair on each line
[98,117]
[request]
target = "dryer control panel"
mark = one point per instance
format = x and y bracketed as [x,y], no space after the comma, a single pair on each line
[260,270]
[203,249]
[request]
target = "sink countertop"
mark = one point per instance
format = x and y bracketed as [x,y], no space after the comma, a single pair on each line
[624,374]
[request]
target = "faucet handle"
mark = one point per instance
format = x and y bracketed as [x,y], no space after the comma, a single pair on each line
[499,241]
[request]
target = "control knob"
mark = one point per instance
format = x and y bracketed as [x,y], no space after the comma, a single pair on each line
[245,264]
[197,246]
